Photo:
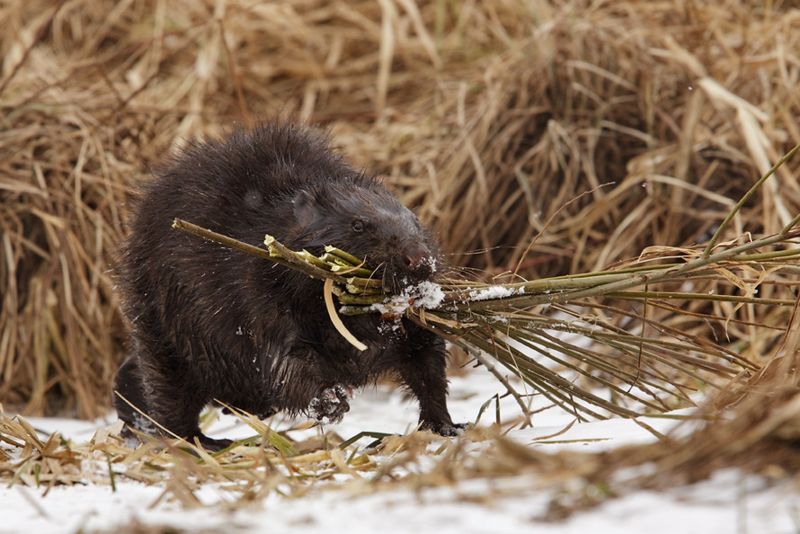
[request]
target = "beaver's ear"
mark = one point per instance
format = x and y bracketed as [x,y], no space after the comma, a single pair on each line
[306,208]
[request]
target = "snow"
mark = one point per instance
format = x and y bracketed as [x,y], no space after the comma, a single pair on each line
[70,509]
[723,505]
[425,294]
[494,292]
[430,295]
[729,502]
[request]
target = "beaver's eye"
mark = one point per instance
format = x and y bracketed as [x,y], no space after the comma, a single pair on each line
[358,225]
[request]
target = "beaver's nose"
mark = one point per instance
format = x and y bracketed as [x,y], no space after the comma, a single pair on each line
[413,261]
[415,255]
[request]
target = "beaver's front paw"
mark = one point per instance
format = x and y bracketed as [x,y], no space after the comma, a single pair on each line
[444,428]
[211,444]
[330,405]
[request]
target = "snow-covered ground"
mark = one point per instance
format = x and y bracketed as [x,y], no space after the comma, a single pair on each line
[729,503]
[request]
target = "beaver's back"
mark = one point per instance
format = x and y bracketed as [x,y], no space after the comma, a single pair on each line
[196,294]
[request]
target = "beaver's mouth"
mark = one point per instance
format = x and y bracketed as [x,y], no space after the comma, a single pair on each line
[397,278]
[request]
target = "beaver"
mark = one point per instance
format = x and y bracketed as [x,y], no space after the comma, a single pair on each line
[208,323]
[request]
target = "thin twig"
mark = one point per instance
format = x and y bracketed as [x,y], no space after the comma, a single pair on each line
[742,201]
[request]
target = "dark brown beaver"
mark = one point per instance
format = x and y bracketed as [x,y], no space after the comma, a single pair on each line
[211,323]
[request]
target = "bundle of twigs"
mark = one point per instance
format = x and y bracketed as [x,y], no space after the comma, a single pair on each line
[537,329]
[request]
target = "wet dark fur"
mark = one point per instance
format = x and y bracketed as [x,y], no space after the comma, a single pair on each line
[212,323]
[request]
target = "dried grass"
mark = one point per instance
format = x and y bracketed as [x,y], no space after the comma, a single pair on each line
[488,117]
[246,472]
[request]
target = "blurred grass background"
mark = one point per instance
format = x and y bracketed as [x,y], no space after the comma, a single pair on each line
[487,118]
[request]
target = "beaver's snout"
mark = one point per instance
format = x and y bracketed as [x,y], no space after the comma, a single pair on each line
[417,256]
[412,264]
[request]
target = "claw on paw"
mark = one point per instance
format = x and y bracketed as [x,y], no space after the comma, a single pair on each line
[330,405]
[444,429]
